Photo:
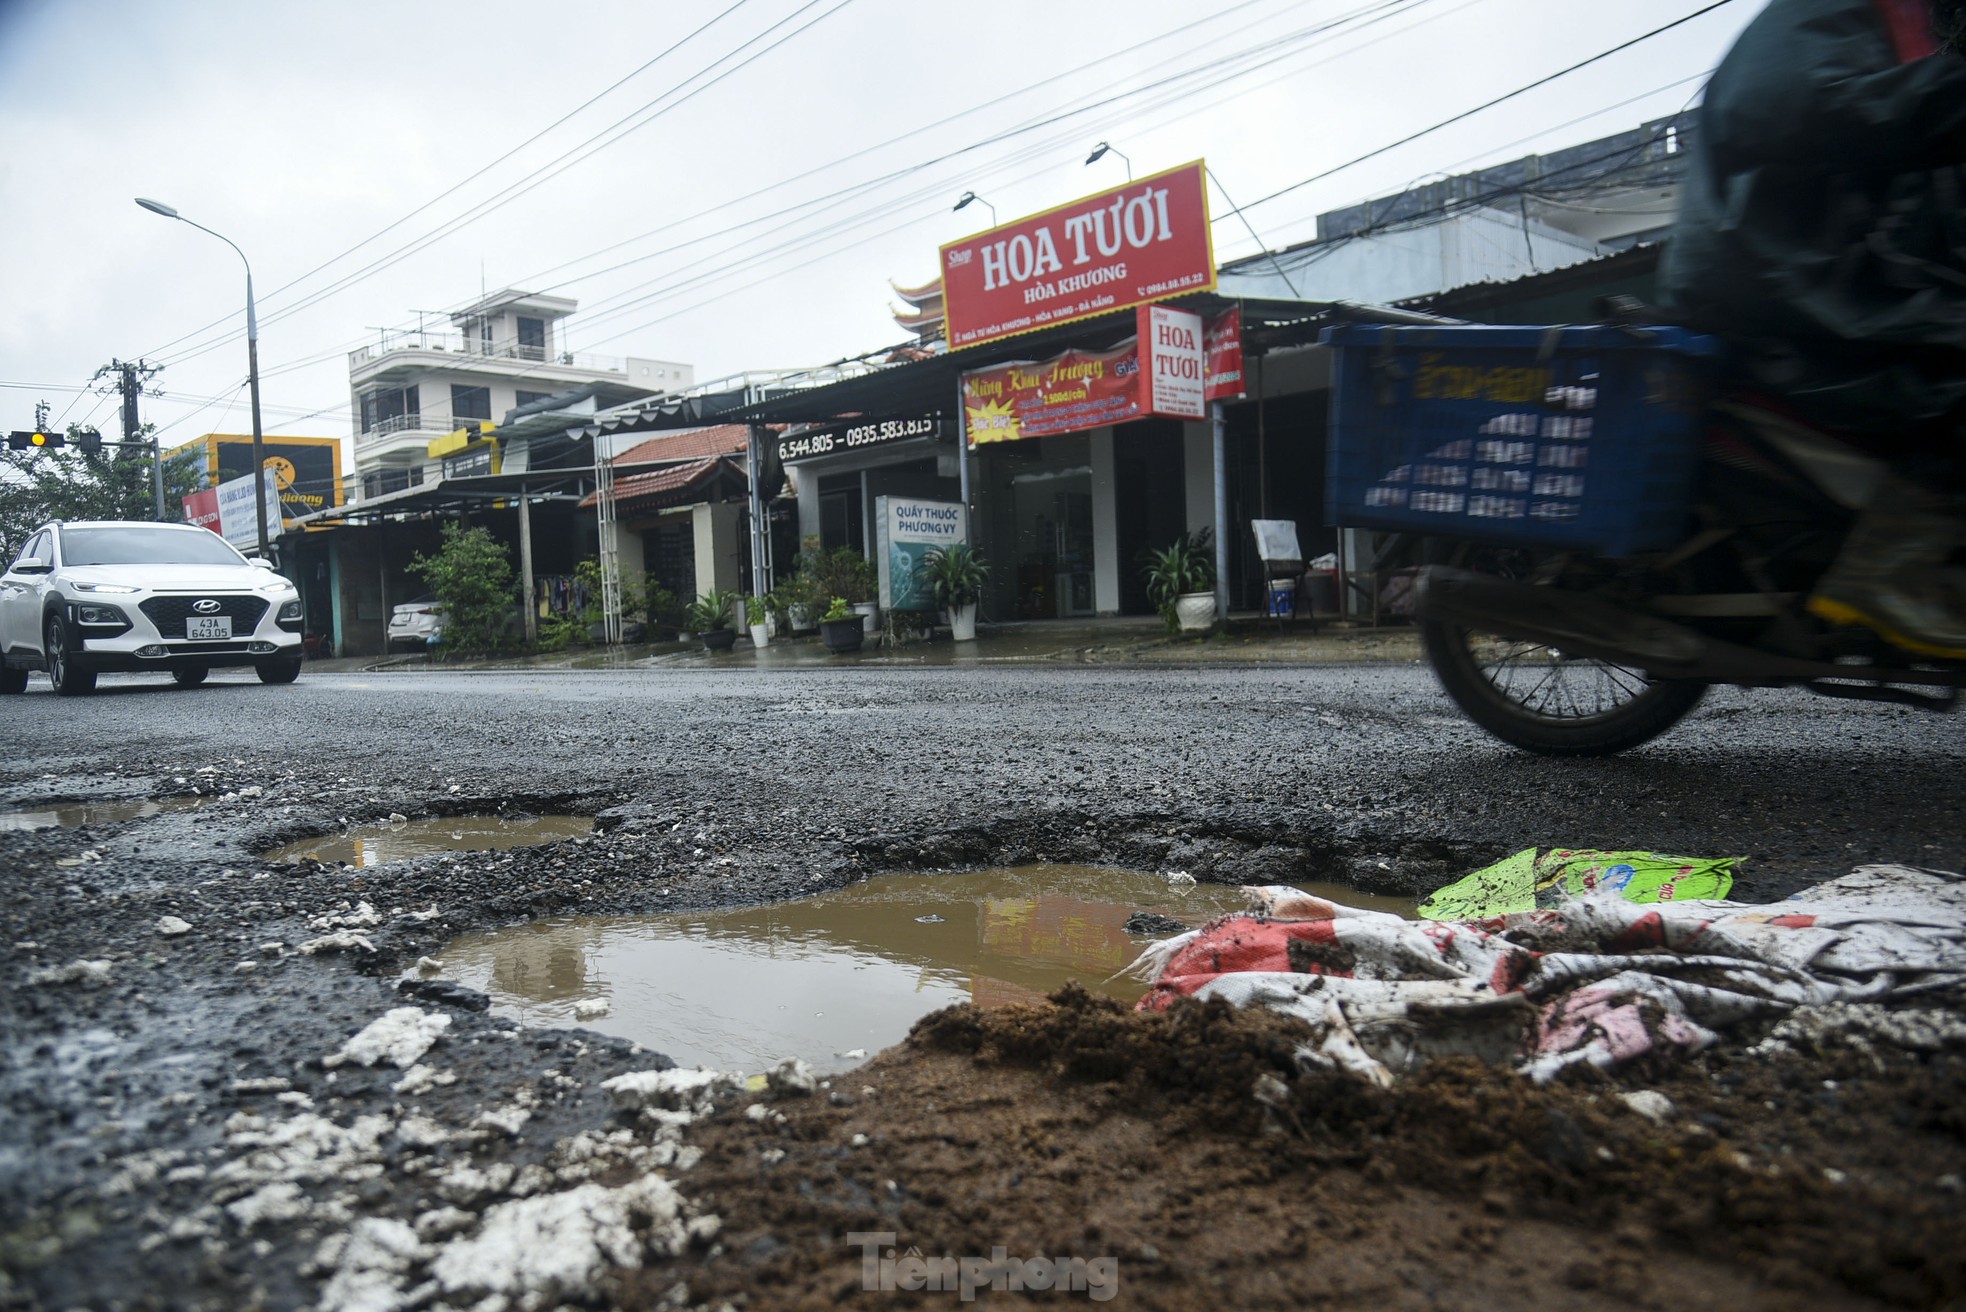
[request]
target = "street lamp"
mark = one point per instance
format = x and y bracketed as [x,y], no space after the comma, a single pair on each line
[252,366]
[1102,150]
[969,196]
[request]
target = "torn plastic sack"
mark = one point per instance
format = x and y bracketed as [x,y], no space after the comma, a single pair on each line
[1595,980]
[1530,879]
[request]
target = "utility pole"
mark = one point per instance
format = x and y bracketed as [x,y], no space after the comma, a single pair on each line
[130,378]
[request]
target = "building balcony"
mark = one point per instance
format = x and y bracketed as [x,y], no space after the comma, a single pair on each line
[419,351]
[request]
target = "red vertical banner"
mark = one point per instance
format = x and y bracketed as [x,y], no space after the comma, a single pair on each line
[1222,340]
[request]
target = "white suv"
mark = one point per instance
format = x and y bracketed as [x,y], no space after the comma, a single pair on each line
[91,596]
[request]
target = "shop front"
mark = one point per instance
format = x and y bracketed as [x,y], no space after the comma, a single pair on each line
[840,470]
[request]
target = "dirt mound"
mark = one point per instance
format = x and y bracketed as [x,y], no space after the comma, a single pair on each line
[1078,1128]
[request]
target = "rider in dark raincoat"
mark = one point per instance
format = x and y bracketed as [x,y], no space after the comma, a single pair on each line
[1823,232]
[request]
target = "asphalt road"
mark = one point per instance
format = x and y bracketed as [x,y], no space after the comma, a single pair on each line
[138,1096]
[1364,764]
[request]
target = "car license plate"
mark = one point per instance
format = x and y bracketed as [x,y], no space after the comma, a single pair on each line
[208,628]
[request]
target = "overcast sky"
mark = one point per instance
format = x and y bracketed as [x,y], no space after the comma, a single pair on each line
[757,211]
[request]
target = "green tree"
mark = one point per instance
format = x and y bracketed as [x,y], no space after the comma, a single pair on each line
[471,574]
[68,483]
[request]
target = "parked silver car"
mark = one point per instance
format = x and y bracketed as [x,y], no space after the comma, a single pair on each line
[414,625]
[90,596]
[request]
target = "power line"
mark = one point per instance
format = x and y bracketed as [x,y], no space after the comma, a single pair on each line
[463,182]
[535,180]
[1487,105]
[648,113]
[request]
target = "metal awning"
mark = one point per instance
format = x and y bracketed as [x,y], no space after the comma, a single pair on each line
[452,493]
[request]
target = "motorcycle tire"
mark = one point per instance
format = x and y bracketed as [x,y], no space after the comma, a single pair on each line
[1536,698]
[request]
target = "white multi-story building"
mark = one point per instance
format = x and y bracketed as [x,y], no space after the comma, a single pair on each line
[503,352]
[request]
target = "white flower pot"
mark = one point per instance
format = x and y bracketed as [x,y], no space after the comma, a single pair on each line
[870,615]
[1195,611]
[760,635]
[804,618]
[962,622]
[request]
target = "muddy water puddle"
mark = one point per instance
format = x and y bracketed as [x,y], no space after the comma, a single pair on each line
[843,972]
[404,840]
[74,815]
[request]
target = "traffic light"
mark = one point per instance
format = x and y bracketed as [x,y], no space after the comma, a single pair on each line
[20,441]
[89,442]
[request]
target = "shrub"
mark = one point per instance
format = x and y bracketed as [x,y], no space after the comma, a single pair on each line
[471,575]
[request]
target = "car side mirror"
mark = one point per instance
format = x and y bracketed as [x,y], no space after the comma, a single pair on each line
[33,567]
[260,562]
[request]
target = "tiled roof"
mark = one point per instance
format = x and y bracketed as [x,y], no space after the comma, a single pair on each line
[688,444]
[673,479]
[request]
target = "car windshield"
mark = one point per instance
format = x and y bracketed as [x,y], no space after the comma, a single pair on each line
[145,544]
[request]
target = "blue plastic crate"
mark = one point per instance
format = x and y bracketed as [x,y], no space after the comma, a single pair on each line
[1582,437]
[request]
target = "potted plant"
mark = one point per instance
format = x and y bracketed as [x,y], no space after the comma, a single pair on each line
[710,615]
[756,612]
[954,576]
[1181,582]
[850,575]
[803,595]
[842,630]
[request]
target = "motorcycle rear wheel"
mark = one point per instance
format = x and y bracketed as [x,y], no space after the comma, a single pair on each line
[1541,699]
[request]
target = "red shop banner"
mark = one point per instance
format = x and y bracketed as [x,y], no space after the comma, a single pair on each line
[1065,394]
[1082,390]
[1142,242]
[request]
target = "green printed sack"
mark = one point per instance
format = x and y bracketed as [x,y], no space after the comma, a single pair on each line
[1530,879]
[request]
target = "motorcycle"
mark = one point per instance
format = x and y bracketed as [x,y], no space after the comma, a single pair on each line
[1606,532]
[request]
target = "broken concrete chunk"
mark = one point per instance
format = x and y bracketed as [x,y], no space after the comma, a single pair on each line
[362,917]
[87,973]
[1651,1104]
[679,1091]
[422,1079]
[369,1265]
[345,941]
[506,1120]
[534,1251]
[791,1078]
[399,1036]
[171,926]
[591,1008]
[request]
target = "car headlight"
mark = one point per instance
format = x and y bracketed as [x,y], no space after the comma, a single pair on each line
[106,587]
[87,614]
[290,610]
[277,585]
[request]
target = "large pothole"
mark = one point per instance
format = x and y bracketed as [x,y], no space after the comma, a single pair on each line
[833,977]
[404,840]
[75,815]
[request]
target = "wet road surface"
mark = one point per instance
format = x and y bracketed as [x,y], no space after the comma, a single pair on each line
[131,1169]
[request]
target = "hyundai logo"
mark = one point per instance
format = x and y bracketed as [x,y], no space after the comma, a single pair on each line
[205,607]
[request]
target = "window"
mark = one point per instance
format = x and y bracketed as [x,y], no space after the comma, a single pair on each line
[390,409]
[469,403]
[485,336]
[527,398]
[391,480]
[145,544]
[532,338]
[36,551]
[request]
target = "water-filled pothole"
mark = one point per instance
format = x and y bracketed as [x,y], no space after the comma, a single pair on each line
[74,815]
[843,971]
[402,840]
